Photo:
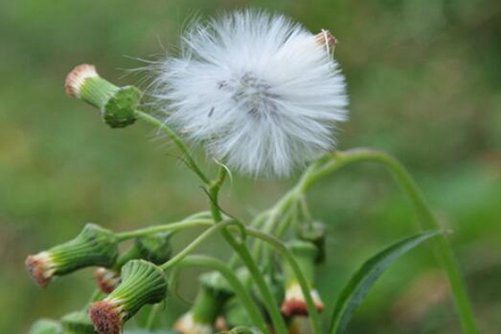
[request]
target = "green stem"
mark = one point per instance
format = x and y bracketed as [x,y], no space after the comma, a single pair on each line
[428,221]
[241,249]
[233,280]
[176,140]
[305,286]
[122,236]
[194,244]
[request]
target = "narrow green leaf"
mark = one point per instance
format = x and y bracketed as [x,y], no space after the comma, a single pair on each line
[360,283]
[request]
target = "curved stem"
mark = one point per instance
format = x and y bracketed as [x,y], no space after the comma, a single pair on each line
[241,292]
[122,236]
[428,221]
[241,249]
[305,287]
[176,140]
[194,244]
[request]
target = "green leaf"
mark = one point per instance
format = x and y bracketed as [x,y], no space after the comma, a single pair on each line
[357,288]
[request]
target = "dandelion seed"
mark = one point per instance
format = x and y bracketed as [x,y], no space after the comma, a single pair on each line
[259,91]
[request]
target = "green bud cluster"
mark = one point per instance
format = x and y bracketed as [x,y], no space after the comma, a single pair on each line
[94,246]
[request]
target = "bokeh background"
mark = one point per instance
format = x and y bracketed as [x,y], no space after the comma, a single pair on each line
[424,79]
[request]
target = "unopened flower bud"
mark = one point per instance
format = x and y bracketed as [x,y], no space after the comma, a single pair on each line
[142,283]
[106,279]
[117,104]
[46,326]
[316,233]
[153,248]
[77,323]
[294,302]
[211,297]
[94,246]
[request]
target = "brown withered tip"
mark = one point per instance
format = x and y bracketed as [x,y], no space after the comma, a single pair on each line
[325,38]
[76,78]
[38,266]
[107,280]
[294,303]
[105,317]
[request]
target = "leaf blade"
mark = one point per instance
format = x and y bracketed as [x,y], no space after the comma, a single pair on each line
[358,286]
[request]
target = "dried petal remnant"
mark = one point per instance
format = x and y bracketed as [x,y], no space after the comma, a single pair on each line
[326,38]
[40,268]
[106,317]
[294,303]
[76,78]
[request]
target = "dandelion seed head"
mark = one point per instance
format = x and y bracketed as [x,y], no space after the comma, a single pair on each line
[258,91]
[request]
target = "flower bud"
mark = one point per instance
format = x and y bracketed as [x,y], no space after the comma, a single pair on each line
[211,297]
[77,323]
[106,279]
[117,104]
[46,326]
[94,246]
[142,283]
[294,302]
[155,249]
[316,233]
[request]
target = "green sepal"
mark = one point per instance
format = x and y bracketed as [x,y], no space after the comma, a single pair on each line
[316,233]
[77,323]
[142,283]
[211,297]
[94,246]
[119,110]
[117,104]
[154,248]
[46,326]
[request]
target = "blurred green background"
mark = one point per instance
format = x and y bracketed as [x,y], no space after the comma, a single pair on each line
[424,80]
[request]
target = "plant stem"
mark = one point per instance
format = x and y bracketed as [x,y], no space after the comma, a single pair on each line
[241,249]
[428,221]
[243,295]
[305,287]
[194,244]
[190,161]
[122,236]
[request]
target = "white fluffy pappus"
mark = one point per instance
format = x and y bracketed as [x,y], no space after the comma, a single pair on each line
[259,91]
